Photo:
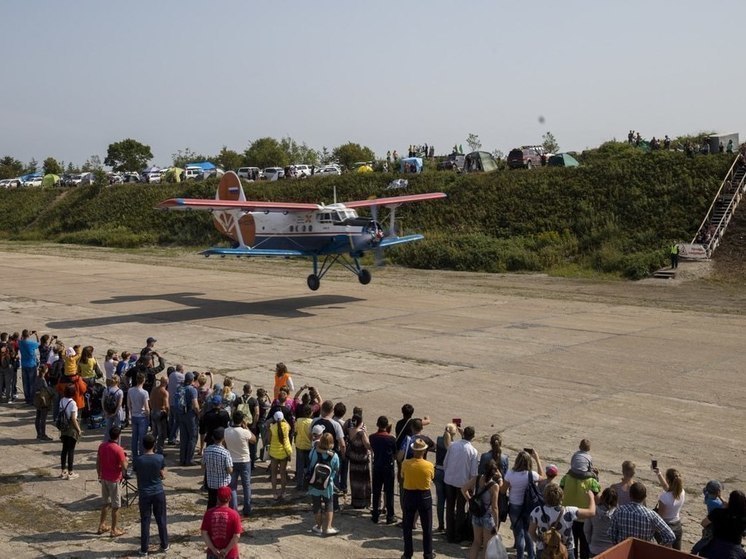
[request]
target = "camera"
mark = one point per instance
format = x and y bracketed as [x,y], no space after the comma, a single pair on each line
[654,464]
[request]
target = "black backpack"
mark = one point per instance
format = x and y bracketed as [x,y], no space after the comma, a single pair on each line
[63,422]
[110,400]
[476,506]
[322,473]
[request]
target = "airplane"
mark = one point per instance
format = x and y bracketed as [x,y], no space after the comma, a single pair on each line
[328,234]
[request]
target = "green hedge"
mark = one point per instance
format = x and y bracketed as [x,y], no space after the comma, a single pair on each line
[614,214]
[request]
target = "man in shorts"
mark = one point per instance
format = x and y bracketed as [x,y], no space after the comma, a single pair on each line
[111,463]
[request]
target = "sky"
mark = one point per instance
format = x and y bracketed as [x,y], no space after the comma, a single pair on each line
[82,74]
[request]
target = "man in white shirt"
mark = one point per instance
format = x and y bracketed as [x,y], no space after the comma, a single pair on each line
[237,441]
[460,465]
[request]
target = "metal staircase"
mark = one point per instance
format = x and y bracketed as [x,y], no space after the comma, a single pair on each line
[713,226]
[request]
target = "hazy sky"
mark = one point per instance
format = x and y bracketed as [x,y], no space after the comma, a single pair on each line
[79,75]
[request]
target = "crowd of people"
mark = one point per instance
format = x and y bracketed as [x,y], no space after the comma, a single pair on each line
[333,457]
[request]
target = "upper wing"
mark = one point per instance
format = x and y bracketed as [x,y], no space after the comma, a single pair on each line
[394,201]
[245,205]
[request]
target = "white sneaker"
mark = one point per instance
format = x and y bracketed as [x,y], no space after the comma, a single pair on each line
[73,475]
[316,530]
[331,532]
[63,474]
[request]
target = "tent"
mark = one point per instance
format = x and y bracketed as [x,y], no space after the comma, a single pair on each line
[411,165]
[204,165]
[563,160]
[50,180]
[365,168]
[480,161]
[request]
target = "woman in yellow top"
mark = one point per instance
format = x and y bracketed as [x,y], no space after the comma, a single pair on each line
[88,368]
[280,451]
[282,378]
[72,356]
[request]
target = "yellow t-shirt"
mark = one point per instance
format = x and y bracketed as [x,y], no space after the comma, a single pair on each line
[87,370]
[418,473]
[277,450]
[71,365]
[303,433]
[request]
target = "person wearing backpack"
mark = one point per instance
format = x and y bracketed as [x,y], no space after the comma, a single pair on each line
[42,395]
[113,399]
[67,423]
[323,467]
[516,485]
[551,524]
[482,494]
[6,375]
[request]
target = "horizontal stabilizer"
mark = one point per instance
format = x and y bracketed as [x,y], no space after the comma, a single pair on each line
[246,251]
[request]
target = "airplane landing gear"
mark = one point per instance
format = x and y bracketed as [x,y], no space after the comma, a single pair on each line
[364,276]
[313,282]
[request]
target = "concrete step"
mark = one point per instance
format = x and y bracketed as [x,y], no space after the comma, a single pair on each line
[664,273]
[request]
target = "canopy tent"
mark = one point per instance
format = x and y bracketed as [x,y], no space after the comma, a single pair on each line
[204,165]
[173,174]
[480,161]
[50,180]
[563,160]
[411,165]
[365,169]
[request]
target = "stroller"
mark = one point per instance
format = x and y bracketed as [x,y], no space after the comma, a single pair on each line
[94,406]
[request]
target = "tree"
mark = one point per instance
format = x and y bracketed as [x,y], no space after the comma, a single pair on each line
[550,143]
[299,153]
[51,166]
[32,166]
[181,158]
[10,167]
[498,154]
[128,155]
[472,140]
[325,156]
[93,163]
[349,153]
[229,159]
[266,152]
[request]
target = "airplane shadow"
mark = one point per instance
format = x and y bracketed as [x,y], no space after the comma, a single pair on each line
[198,308]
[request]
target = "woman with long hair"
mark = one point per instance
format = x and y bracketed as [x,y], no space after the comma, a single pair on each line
[358,455]
[515,485]
[596,528]
[486,488]
[323,451]
[671,501]
[88,368]
[282,378]
[728,525]
[71,435]
[280,452]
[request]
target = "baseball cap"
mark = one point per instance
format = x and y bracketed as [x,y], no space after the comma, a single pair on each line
[217,400]
[713,487]
[278,416]
[224,494]
[552,470]
[150,340]
[318,430]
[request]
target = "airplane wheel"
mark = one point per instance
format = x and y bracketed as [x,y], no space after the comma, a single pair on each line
[364,277]
[313,282]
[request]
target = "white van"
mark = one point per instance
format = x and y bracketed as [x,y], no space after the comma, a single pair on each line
[249,173]
[193,173]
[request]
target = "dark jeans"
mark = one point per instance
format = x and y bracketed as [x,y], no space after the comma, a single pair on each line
[241,470]
[41,422]
[519,525]
[159,424]
[302,459]
[212,498]
[187,437]
[154,505]
[578,538]
[6,384]
[173,424]
[383,479]
[68,452]
[440,493]
[253,448]
[456,518]
[28,376]
[418,503]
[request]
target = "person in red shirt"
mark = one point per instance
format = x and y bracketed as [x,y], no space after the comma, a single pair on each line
[221,528]
[111,463]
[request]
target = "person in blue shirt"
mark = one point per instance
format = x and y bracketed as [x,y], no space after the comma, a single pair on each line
[29,350]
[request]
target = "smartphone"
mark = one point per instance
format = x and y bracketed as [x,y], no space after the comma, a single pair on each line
[529,450]
[653,464]
[456,421]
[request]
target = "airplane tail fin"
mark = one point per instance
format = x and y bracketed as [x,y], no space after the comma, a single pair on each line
[230,188]
[236,224]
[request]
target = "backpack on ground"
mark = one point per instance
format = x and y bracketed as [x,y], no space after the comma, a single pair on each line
[554,545]
[110,401]
[321,473]
[244,407]
[476,506]
[63,422]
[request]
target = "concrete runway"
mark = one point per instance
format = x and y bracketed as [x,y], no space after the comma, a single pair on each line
[640,382]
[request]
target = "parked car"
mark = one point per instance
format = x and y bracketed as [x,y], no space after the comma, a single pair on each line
[302,170]
[454,162]
[274,173]
[73,180]
[192,173]
[6,183]
[249,173]
[87,178]
[132,177]
[526,157]
[32,181]
[153,177]
[329,170]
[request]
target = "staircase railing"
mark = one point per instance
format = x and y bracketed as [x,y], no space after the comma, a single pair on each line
[711,244]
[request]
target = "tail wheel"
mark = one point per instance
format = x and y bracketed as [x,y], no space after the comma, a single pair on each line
[314,282]
[364,277]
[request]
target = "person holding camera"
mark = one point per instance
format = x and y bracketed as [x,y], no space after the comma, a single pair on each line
[29,350]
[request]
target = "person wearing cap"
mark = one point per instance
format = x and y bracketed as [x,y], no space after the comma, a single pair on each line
[149,345]
[151,469]
[217,465]
[187,410]
[238,440]
[417,477]
[111,463]
[221,528]
[552,471]
[280,452]
[712,495]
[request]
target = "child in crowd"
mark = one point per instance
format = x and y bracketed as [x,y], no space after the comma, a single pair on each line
[712,492]
[581,464]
